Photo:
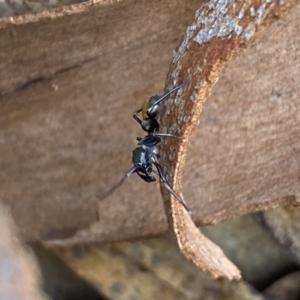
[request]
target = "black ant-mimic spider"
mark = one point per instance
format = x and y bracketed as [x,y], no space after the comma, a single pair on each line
[145,155]
[151,110]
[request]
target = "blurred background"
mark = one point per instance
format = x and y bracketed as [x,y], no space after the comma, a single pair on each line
[72,74]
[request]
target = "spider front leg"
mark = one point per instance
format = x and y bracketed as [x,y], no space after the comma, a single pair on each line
[117,185]
[154,125]
[170,135]
[146,176]
[168,187]
[136,117]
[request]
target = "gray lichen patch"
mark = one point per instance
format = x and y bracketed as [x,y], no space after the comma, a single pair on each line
[241,13]
[218,23]
[186,119]
[260,12]
[180,114]
[249,31]
[172,153]
[194,97]
[213,20]
[168,104]
[216,19]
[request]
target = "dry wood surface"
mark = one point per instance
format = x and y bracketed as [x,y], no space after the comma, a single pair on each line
[71,79]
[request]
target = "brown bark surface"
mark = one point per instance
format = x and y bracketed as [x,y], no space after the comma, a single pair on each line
[217,35]
[70,85]
[71,79]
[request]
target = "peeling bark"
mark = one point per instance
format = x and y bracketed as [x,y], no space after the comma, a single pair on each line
[220,30]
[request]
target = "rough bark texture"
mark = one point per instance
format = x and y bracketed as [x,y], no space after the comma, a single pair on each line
[220,30]
[66,129]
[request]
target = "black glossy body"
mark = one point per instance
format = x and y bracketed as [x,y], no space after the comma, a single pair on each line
[151,110]
[144,155]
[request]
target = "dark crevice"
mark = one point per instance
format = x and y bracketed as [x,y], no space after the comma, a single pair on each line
[45,78]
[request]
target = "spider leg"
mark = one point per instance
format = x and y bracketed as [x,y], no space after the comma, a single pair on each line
[170,135]
[117,185]
[131,171]
[170,92]
[168,187]
[155,124]
[136,117]
[146,176]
